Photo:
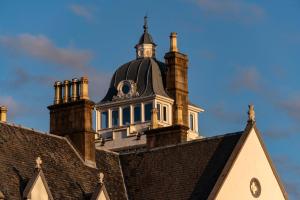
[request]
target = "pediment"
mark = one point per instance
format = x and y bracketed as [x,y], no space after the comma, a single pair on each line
[37,188]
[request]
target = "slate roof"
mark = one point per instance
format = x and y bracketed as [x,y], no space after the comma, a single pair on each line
[148,73]
[184,171]
[66,174]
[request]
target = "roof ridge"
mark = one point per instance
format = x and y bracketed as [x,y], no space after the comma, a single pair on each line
[184,143]
[35,131]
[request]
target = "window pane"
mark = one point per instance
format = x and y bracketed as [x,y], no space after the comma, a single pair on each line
[165,113]
[126,115]
[104,119]
[148,108]
[191,121]
[137,113]
[158,111]
[115,118]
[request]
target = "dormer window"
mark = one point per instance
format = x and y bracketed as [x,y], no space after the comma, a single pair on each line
[148,109]
[104,119]
[137,113]
[126,115]
[115,118]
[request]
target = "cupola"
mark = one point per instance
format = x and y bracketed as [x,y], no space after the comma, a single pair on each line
[146,47]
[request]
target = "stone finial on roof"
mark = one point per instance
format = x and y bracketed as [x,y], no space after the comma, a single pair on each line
[251,113]
[38,162]
[2,197]
[101,178]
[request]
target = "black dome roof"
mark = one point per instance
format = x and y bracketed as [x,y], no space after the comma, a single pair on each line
[148,74]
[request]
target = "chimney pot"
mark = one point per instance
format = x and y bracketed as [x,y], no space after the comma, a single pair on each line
[66,91]
[3,113]
[84,88]
[173,42]
[57,92]
[75,89]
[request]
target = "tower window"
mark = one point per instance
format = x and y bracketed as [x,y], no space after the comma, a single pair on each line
[148,108]
[165,113]
[126,115]
[115,118]
[158,111]
[137,113]
[104,119]
[192,125]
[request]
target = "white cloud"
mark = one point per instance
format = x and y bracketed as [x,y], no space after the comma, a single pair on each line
[42,48]
[82,11]
[232,9]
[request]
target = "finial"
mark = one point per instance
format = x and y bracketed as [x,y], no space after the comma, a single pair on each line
[251,113]
[101,178]
[38,162]
[145,23]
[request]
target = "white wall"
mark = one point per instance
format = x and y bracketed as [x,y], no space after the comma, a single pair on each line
[39,191]
[251,162]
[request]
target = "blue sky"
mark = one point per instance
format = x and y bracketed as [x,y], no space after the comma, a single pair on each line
[240,52]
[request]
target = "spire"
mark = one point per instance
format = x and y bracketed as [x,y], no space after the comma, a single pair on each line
[145,46]
[145,24]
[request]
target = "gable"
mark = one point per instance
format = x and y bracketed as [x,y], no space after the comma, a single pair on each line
[39,191]
[251,175]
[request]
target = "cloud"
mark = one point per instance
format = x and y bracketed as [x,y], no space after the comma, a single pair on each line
[42,48]
[23,77]
[232,9]
[291,168]
[14,107]
[221,112]
[246,78]
[82,11]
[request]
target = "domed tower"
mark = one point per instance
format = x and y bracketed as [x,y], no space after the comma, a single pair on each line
[138,97]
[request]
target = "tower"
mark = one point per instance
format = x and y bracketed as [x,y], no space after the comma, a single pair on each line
[177,81]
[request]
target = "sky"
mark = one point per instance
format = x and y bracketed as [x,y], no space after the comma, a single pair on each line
[240,52]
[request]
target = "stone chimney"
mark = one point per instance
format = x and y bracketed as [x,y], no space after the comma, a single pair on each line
[71,116]
[164,136]
[3,114]
[177,81]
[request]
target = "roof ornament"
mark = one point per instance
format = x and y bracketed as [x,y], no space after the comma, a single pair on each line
[38,162]
[101,178]
[251,113]
[145,24]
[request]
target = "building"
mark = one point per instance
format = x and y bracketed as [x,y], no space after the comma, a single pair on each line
[146,144]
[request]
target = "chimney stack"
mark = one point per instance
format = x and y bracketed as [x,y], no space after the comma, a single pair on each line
[173,42]
[164,136]
[3,113]
[177,81]
[71,117]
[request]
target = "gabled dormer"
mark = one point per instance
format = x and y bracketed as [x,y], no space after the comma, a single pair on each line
[100,192]
[37,187]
